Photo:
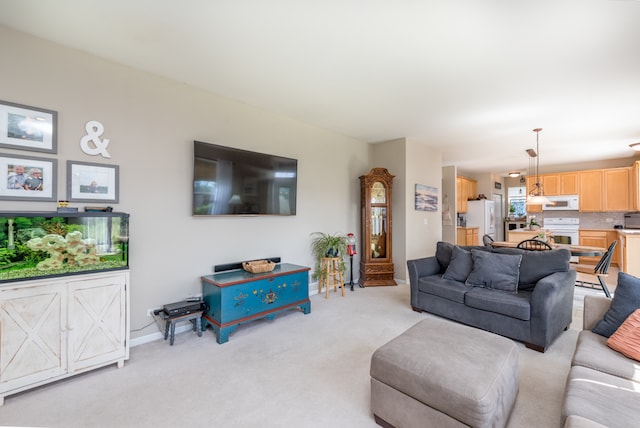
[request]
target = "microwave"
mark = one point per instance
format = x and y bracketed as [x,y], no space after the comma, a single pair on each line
[561,203]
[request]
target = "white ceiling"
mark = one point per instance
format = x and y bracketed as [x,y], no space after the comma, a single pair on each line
[472,77]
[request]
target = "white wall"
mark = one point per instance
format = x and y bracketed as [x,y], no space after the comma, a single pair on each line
[151,123]
[415,233]
[423,228]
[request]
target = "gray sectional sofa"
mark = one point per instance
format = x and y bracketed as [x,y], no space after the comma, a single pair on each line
[603,386]
[523,295]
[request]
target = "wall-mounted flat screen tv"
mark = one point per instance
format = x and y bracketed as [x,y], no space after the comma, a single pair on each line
[229,181]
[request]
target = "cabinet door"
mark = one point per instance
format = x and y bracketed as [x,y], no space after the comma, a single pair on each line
[474,236]
[568,183]
[617,189]
[530,182]
[33,345]
[97,320]
[550,184]
[593,238]
[591,194]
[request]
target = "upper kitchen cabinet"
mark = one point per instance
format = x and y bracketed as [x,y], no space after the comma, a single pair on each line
[635,186]
[565,183]
[591,194]
[617,189]
[466,188]
[530,181]
[606,190]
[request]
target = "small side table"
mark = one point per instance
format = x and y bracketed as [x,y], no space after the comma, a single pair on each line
[170,324]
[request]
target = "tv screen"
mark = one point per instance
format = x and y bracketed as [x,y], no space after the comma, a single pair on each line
[228,181]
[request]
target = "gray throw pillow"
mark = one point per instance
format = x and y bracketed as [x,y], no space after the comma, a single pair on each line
[626,299]
[495,270]
[444,251]
[460,265]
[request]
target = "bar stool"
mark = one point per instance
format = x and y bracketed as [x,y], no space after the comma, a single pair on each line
[330,267]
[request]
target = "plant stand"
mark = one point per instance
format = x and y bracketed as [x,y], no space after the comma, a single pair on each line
[331,273]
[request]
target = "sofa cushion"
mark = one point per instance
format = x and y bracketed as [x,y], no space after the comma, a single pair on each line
[592,352]
[626,338]
[626,299]
[445,288]
[460,265]
[493,270]
[512,305]
[536,265]
[602,398]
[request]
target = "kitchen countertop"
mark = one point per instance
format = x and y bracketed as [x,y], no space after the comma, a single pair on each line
[629,231]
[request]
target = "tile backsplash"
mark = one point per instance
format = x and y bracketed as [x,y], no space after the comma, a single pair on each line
[588,220]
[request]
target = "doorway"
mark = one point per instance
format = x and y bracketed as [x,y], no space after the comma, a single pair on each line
[498,203]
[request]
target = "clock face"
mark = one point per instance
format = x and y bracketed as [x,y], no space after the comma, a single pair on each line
[378,193]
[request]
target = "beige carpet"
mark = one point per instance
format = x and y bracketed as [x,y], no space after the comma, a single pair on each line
[298,370]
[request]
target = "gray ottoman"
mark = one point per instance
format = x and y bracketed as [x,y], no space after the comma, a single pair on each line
[442,374]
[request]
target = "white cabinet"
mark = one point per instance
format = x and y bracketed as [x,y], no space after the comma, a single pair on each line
[55,328]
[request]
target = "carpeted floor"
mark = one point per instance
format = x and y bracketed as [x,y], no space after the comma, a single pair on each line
[297,370]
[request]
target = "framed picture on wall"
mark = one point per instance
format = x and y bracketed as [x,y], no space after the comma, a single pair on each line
[426,198]
[25,178]
[28,128]
[92,182]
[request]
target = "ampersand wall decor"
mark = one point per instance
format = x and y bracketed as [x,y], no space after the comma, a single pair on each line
[99,147]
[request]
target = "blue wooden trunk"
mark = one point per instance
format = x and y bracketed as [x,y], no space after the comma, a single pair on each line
[237,296]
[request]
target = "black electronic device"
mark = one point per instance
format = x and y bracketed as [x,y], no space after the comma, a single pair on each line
[230,181]
[185,307]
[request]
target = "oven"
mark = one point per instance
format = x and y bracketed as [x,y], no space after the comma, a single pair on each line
[565,231]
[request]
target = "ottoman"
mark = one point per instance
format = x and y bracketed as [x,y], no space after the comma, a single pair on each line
[442,374]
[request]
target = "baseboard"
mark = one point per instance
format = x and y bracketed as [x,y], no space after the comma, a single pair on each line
[158,335]
[313,290]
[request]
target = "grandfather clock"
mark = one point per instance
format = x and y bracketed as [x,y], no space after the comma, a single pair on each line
[376,263]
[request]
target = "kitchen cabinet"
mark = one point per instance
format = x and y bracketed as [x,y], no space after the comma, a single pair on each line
[564,183]
[617,189]
[606,190]
[520,235]
[630,252]
[58,327]
[591,194]
[530,181]
[635,186]
[466,188]
[467,236]
[595,238]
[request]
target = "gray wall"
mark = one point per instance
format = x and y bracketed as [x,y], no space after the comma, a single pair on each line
[151,123]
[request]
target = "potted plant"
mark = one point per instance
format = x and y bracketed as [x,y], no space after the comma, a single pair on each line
[512,211]
[327,245]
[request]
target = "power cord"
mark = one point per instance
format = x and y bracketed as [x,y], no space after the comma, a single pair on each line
[155,317]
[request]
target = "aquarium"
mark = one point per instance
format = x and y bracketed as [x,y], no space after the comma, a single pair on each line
[47,244]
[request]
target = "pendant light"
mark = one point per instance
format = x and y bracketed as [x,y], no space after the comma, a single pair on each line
[536,194]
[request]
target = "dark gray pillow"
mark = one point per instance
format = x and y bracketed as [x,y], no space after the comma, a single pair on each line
[495,270]
[460,265]
[626,299]
[538,264]
[444,251]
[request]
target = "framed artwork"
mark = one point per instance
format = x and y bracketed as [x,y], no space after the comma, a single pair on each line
[426,198]
[28,128]
[25,178]
[92,182]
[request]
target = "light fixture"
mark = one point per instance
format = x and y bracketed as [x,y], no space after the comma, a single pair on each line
[536,194]
[635,146]
[514,174]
